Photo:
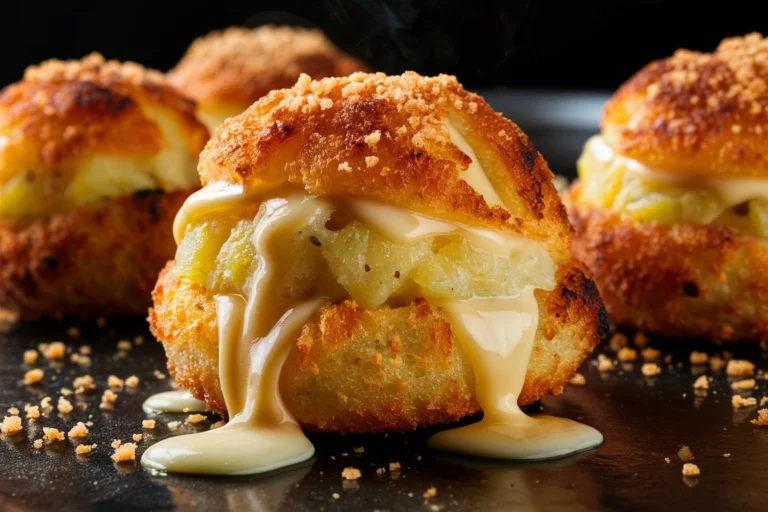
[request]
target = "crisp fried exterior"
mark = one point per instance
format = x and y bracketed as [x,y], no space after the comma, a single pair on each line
[700,114]
[357,370]
[230,69]
[684,280]
[64,111]
[98,259]
[384,137]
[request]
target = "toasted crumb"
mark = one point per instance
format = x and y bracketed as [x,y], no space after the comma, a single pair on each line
[650,354]
[148,424]
[684,453]
[359,449]
[125,453]
[33,412]
[83,384]
[85,350]
[194,418]
[762,418]
[108,396]
[37,444]
[740,368]
[101,322]
[701,383]
[690,469]
[13,411]
[124,345]
[373,138]
[78,431]
[52,434]
[763,401]
[84,449]
[33,376]
[11,425]
[699,357]
[116,443]
[667,460]
[137,437]
[138,340]
[114,381]
[394,466]
[159,375]
[132,381]
[627,354]
[55,351]
[344,166]
[650,369]
[743,384]
[65,391]
[371,161]
[84,361]
[640,340]
[577,380]
[73,332]
[604,364]
[380,471]
[618,341]
[726,455]
[351,473]
[64,406]
[31,356]
[45,403]
[716,363]
[336,495]
[740,402]
[430,493]
[173,425]
[218,424]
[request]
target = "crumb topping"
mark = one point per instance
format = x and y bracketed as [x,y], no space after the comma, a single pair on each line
[350,473]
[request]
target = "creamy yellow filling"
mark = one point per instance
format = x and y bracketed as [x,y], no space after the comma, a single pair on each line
[614,182]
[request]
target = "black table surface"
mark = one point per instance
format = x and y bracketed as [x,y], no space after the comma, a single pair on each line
[644,420]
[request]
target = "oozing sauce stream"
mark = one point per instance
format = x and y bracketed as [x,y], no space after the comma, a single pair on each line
[256,334]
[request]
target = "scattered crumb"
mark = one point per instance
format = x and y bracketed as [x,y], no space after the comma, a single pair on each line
[38,444]
[83,384]
[78,431]
[684,453]
[84,449]
[64,406]
[762,418]
[740,368]
[381,471]
[11,425]
[33,376]
[618,341]
[726,455]
[65,391]
[627,354]
[650,369]
[173,425]
[116,443]
[394,466]
[336,495]
[114,381]
[691,470]
[138,340]
[650,354]
[604,364]
[430,493]
[371,161]
[701,383]
[716,363]
[359,449]
[640,340]
[124,345]
[73,332]
[344,166]
[138,437]
[740,402]
[699,357]
[45,403]
[125,453]
[763,401]
[194,418]
[132,381]
[577,380]
[84,361]
[30,357]
[667,460]
[52,434]
[218,424]
[743,384]
[101,322]
[149,424]
[13,411]
[108,398]
[85,350]
[159,375]
[55,351]
[351,473]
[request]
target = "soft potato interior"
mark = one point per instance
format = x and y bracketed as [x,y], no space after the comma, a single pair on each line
[352,260]
[608,182]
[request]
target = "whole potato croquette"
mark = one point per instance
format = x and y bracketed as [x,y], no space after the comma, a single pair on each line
[380,353]
[225,71]
[96,158]
[671,206]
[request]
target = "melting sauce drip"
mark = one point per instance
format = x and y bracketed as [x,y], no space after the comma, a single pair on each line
[256,334]
[173,401]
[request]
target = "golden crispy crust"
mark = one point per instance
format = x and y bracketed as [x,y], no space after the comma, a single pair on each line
[380,137]
[684,280]
[235,67]
[62,111]
[100,259]
[358,370]
[697,113]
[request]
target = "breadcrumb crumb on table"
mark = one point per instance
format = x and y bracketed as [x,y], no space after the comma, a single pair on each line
[650,369]
[83,384]
[716,363]
[37,444]
[33,411]
[650,354]
[55,351]
[617,342]
[690,470]
[64,406]
[173,425]
[640,340]
[430,493]
[125,453]
[577,380]
[148,424]
[745,384]
[132,381]
[699,357]
[336,495]
[31,356]
[33,376]
[11,425]
[51,435]
[137,437]
[114,381]
[701,383]
[604,364]
[350,473]
[124,345]
[84,449]
[13,411]
[740,368]
[627,354]
[684,453]
[762,418]
[394,466]
[739,402]
[194,418]
[78,431]
[73,332]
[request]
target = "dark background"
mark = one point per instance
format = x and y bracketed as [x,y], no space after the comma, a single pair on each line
[554,44]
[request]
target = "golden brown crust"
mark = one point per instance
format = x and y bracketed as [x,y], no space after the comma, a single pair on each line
[684,280]
[380,137]
[62,111]
[348,371]
[100,259]
[697,113]
[235,67]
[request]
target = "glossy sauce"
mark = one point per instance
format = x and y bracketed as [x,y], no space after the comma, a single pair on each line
[180,400]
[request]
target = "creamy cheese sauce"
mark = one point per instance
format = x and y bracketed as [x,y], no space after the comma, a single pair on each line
[474,174]
[732,191]
[180,400]
[257,332]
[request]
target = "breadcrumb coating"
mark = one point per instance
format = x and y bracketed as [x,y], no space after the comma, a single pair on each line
[703,114]
[237,66]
